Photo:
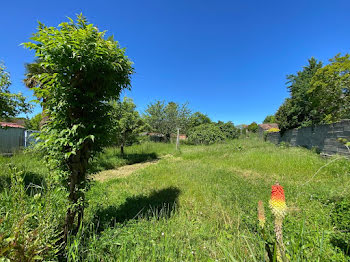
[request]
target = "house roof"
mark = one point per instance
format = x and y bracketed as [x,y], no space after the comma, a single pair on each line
[8,124]
[267,126]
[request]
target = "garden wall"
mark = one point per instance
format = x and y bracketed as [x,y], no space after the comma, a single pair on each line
[322,137]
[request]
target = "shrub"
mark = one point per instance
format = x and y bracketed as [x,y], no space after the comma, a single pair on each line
[206,134]
[273,130]
[229,129]
[253,127]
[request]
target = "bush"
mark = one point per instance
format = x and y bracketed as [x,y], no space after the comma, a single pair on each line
[229,129]
[253,127]
[206,134]
[273,130]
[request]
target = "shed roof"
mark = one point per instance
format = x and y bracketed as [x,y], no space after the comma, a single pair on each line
[8,124]
[267,126]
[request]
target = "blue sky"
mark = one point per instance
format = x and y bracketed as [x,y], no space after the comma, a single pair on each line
[228,59]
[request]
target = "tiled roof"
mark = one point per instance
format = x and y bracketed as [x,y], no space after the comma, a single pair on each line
[8,124]
[268,126]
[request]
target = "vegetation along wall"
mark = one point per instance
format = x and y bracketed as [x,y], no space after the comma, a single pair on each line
[323,138]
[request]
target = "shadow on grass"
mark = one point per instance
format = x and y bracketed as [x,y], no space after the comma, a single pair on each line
[340,217]
[159,204]
[32,182]
[139,158]
[111,161]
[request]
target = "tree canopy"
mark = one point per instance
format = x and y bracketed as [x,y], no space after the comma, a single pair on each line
[298,110]
[318,94]
[330,91]
[269,119]
[166,118]
[10,104]
[197,119]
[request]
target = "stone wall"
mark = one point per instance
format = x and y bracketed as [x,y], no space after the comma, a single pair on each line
[322,137]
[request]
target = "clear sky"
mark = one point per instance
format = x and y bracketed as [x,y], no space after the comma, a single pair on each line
[228,59]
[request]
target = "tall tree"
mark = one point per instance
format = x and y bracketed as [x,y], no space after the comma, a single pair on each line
[300,110]
[269,119]
[34,122]
[10,104]
[330,90]
[127,122]
[165,119]
[253,127]
[86,71]
[197,119]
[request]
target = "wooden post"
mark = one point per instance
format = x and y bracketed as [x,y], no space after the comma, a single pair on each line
[178,139]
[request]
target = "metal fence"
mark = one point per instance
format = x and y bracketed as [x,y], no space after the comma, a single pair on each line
[13,139]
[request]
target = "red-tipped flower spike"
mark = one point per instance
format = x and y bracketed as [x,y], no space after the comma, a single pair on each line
[261,214]
[277,202]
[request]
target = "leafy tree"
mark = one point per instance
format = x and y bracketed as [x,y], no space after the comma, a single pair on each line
[206,134]
[298,109]
[228,129]
[165,119]
[285,116]
[85,71]
[253,127]
[127,122]
[330,91]
[10,104]
[197,119]
[34,122]
[269,119]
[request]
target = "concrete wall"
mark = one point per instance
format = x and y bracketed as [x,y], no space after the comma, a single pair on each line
[322,137]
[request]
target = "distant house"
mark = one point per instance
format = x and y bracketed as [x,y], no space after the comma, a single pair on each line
[181,136]
[265,127]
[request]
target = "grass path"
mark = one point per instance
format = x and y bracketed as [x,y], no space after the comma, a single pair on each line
[126,170]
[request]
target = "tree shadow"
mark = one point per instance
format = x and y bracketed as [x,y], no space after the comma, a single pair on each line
[139,158]
[32,182]
[159,204]
[340,217]
[106,162]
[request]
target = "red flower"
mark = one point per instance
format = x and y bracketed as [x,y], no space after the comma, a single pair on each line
[277,201]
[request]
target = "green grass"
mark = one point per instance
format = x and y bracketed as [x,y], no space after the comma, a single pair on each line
[200,204]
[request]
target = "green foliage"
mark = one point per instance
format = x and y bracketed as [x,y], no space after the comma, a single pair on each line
[165,119]
[269,119]
[127,123]
[206,134]
[28,223]
[10,104]
[84,71]
[341,220]
[34,122]
[197,119]
[253,127]
[330,91]
[298,110]
[228,129]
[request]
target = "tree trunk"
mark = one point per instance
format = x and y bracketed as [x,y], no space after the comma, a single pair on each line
[77,165]
[122,149]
